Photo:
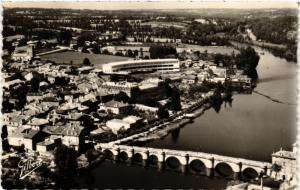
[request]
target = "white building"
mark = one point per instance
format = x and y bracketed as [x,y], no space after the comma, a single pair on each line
[25,136]
[71,135]
[114,107]
[22,55]
[123,124]
[142,65]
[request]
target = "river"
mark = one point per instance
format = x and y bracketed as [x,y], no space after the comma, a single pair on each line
[252,127]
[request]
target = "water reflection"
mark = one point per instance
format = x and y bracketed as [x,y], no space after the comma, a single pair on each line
[175,134]
[120,175]
[217,105]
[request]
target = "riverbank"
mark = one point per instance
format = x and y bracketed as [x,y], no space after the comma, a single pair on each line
[175,124]
[169,124]
[282,51]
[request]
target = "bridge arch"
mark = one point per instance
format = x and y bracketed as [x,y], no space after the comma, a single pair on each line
[250,173]
[234,166]
[123,156]
[173,162]
[153,160]
[257,169]
[225,169]
[110,153]
[182,160]
[197,166]
[137,157]
[207,163]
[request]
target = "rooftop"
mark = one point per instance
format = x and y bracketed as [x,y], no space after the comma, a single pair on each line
[121,84]
[131,119]
[285,154]
[140,61]
[114,103]
[38,121]
[64,130]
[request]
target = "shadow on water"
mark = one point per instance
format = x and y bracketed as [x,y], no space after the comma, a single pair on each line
[175,134]
[110,174]
[217,105]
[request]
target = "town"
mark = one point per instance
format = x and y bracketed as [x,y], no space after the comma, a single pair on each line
[111,82]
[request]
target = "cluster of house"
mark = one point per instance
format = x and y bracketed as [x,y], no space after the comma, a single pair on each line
[67,111]
[208,71]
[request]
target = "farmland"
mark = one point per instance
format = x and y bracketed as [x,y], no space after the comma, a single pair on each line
[210,49]
[77,58]
[165,24]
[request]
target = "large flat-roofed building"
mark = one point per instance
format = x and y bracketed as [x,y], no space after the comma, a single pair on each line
[142,66]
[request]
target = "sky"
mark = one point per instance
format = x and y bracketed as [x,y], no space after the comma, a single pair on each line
[118,5]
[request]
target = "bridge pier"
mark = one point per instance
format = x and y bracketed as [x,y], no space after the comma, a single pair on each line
[209,160]
[209,172]
[130,160]
[185,165]
[161,165]
[145,156]
[237,171]
[184,168]
[145,162]
[161,161]
[115,158]
[236,175]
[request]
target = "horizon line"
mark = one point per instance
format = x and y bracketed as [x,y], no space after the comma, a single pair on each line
[151,5]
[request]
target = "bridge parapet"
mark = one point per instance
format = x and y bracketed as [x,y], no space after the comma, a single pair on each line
[155,151]
[205,157]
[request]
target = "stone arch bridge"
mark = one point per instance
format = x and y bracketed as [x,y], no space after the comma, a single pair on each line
[185,159]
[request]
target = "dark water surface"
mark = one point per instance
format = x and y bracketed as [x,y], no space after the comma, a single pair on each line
[253,127]
[110,175]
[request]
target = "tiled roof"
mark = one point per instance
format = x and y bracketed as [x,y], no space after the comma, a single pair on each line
[114,103]
[64,130]
[31,133]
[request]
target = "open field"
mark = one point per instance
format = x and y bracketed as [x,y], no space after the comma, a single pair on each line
[165,24]
[78,57]
[210,49]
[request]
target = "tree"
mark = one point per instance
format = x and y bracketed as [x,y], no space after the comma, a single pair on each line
[95,49]
[91,154]
[35,84]
[216,100]
[4,132]
[160,51]
[65,160]
[175,100]
[141,52]
[162,113]
[106,52]
[119,54]
[275,168]
[218,58]
[114,78]
[121,97]
[86,62]
[248,60]
[21,149]
[130,53]
[10,49]
[65,37]
[136,53]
